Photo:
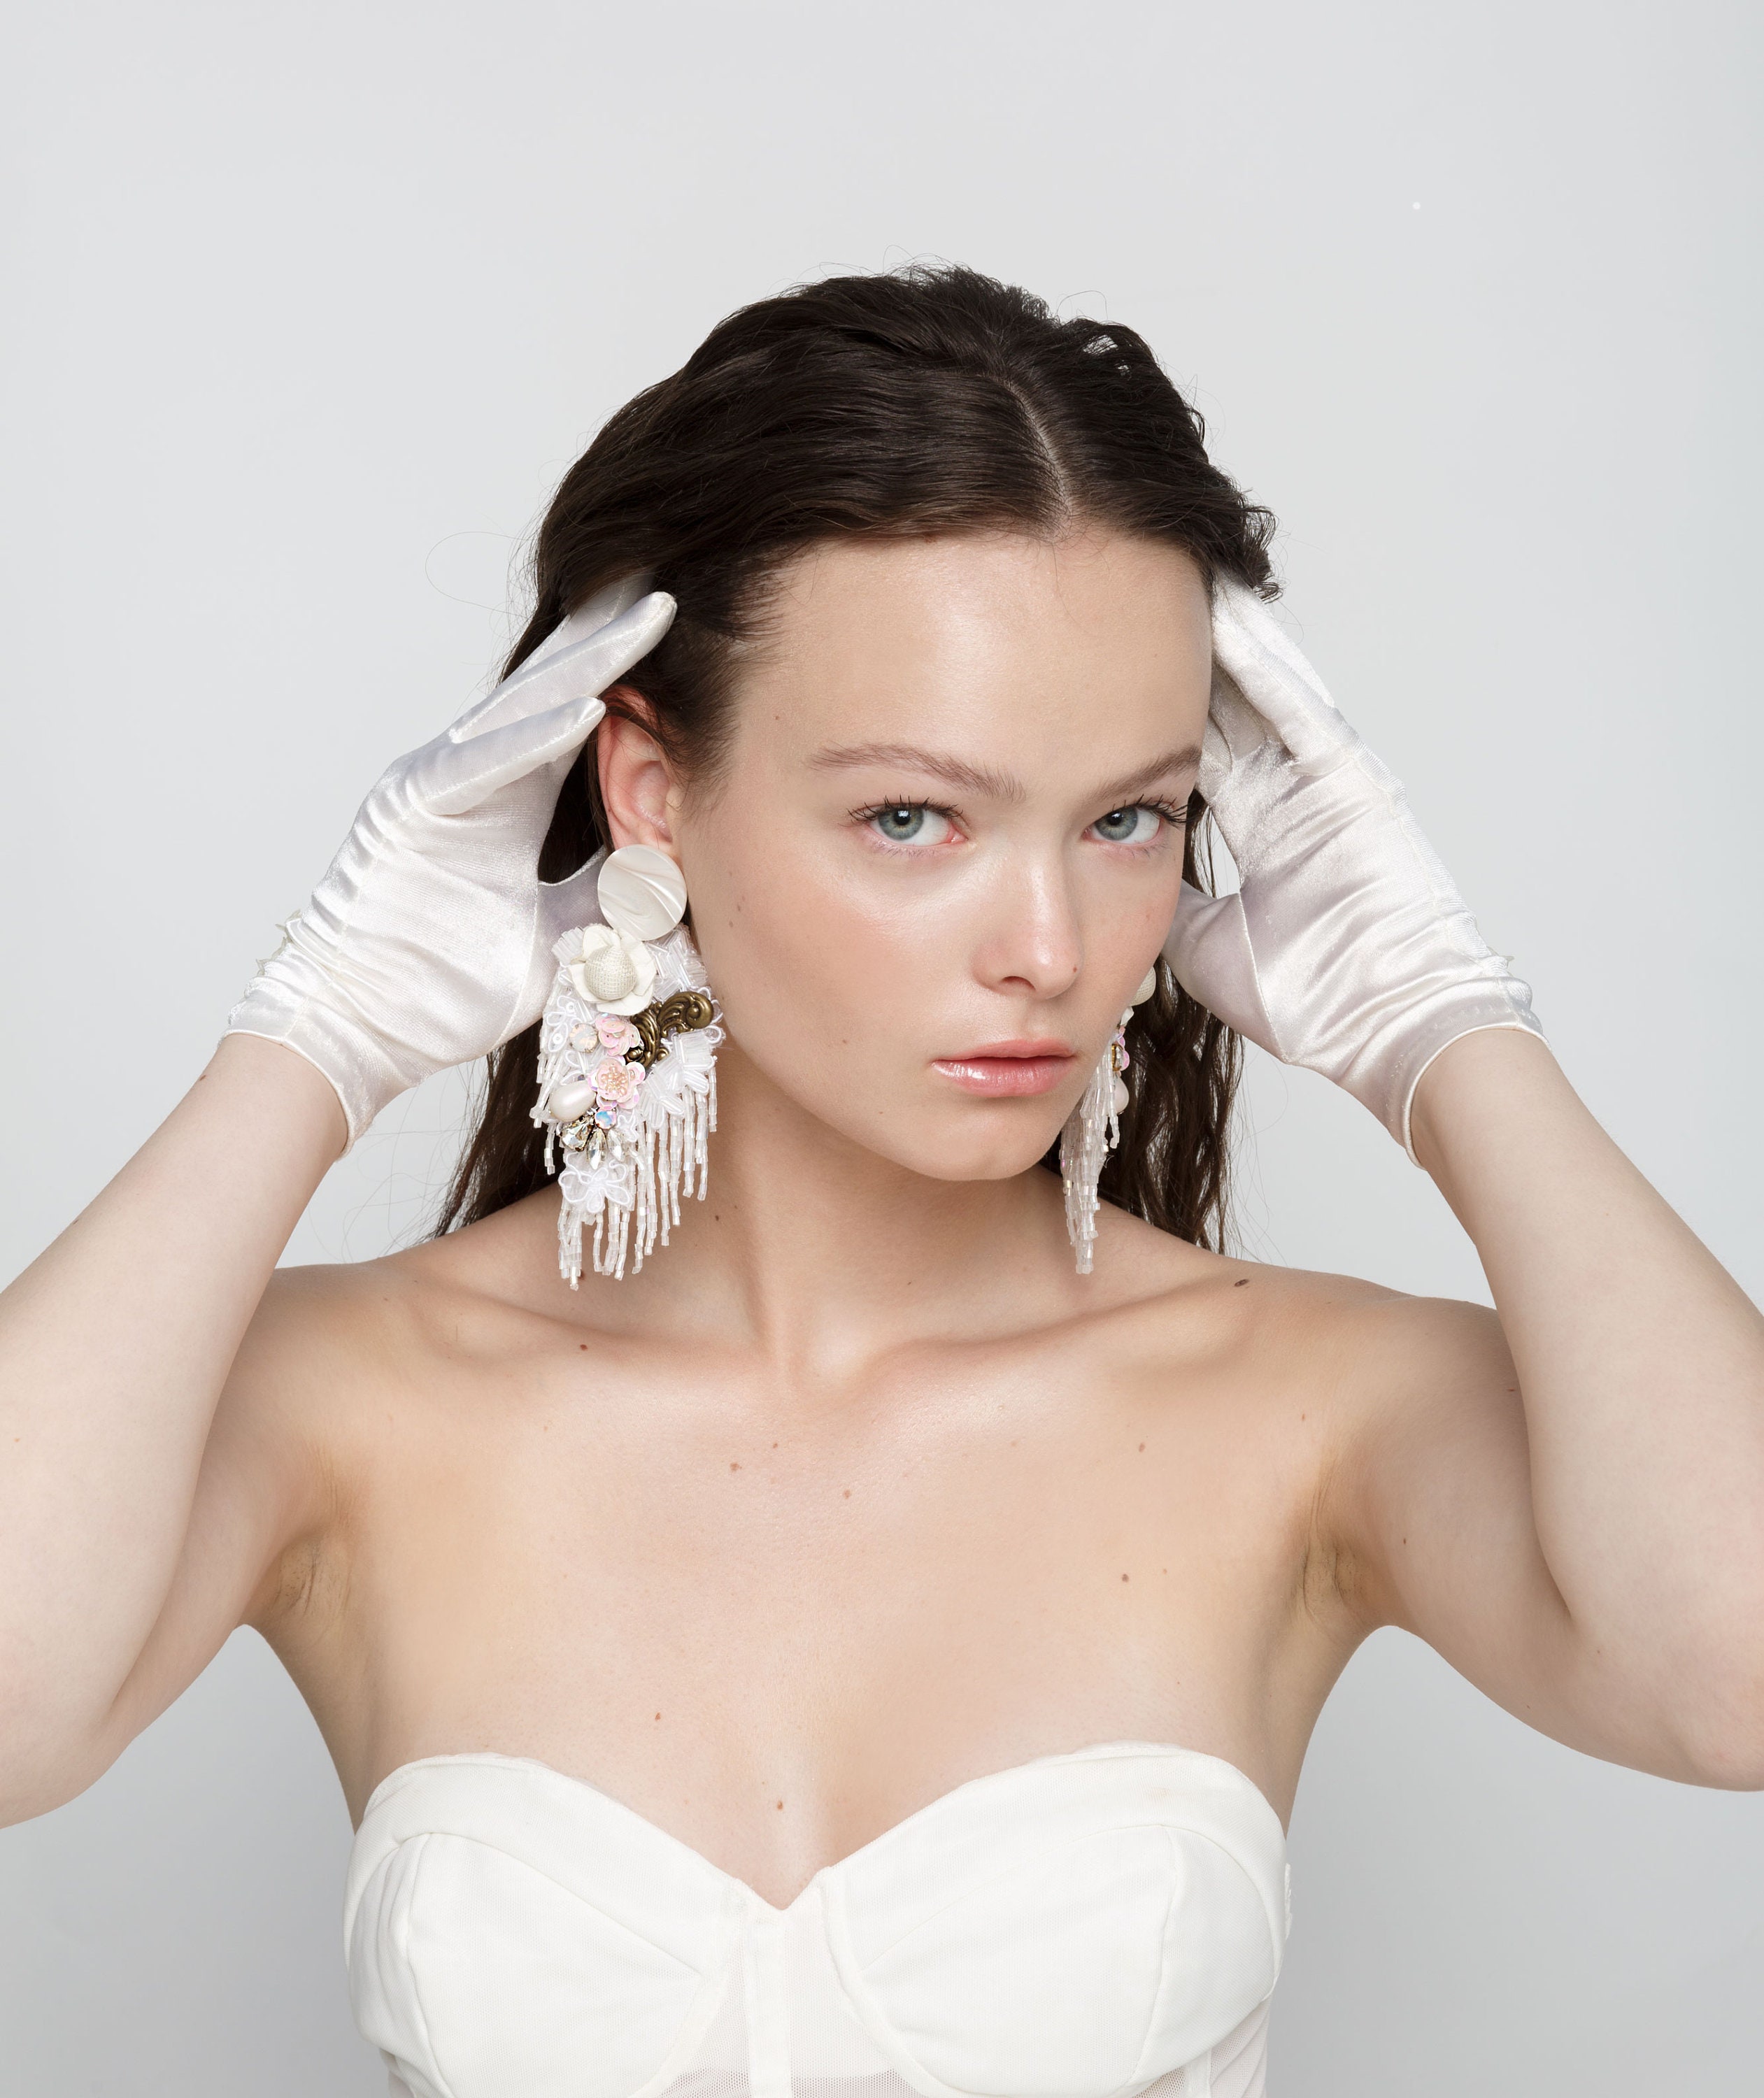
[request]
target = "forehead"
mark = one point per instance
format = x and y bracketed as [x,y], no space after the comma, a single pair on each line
[1096,643]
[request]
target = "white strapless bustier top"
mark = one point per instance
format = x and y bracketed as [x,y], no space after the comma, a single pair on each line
[1094,1924]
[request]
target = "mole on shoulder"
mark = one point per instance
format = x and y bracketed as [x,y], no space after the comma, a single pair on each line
[1243,1284]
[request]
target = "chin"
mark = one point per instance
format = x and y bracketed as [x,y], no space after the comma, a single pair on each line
[957,1153]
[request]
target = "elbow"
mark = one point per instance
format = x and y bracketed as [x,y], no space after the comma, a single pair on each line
[42,1766]
[29,1787]
[1724,1744]
[1728,1766]
[24,1797]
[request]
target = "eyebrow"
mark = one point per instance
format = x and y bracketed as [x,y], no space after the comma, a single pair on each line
[984,779]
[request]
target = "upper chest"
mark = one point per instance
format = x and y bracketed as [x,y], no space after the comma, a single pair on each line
[611,1553]
[713,1496]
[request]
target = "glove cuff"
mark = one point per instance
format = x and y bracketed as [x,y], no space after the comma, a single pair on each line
[1470,1008]
[363,1071]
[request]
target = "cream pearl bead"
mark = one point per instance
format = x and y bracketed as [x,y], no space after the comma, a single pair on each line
[574,1097]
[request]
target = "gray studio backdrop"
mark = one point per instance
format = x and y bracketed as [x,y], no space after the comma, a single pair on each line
[311,307]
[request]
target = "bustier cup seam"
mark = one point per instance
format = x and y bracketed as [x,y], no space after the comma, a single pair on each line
[573,1893]
[712,1989]
[443,2085]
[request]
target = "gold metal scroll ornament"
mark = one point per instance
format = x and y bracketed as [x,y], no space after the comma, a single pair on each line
[678,1014]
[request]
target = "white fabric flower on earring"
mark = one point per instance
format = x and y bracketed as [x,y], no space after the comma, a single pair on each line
[608,969]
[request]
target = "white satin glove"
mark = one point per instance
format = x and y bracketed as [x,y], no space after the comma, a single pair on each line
[1347,948]
[428,941]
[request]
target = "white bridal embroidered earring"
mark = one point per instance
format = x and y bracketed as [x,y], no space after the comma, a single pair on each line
[627,1066]
[1093,1129]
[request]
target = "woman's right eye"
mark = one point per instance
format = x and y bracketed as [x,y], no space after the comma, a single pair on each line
[909,823]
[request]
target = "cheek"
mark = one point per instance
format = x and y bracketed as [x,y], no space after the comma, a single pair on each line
[822,976]
[1126,917]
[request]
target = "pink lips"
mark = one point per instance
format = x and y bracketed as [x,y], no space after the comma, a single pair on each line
[1008,1070]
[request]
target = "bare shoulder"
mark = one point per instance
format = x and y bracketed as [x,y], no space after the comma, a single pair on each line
[1359,1338]
[1330,1326]
[1424,1478]
[331,1325]
[333,1360]
[303,1368]
[318,1335]
[309,1379]
[1385,1408]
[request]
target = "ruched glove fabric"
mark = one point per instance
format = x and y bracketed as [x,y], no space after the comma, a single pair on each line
[428,940]
[1347,948]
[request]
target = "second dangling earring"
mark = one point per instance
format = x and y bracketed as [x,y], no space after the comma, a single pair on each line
[628,1066]
[1093,1129]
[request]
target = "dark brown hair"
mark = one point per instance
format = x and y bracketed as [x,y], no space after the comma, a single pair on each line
[926,399]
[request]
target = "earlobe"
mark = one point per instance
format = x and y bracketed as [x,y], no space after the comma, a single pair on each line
[637,783]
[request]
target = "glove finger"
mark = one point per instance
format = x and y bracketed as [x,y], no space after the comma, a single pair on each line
[592,614]
[1257,618]
[586,665]
[1208,947]
[1234,732]
[457,776]
[1271,673]
[587,619]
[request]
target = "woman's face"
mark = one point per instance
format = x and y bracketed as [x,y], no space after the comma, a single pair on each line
[947,844]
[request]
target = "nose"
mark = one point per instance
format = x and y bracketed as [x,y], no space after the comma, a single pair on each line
[1031,944]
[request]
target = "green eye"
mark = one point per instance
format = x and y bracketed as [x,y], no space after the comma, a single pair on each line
[1137,825]
[900,825]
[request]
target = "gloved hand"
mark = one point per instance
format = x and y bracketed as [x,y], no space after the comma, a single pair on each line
[428,940]
[1347,948]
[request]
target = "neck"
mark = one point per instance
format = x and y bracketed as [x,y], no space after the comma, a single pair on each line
[819,1253]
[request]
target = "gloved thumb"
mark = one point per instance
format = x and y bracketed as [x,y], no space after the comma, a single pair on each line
[1208,947]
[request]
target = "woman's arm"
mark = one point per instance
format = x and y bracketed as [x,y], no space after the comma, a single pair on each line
[1640,1369]
[428,942]
[1565,1498]
[115,1345]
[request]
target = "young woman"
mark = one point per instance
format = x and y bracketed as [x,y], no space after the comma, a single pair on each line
[868,1642]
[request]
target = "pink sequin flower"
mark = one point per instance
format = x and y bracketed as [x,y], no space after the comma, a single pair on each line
[616,1033]
[617,1083]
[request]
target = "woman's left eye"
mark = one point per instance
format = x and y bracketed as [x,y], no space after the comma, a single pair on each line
[1137,825]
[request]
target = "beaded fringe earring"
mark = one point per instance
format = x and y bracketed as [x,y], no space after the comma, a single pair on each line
[1093,1129]
[627,1066]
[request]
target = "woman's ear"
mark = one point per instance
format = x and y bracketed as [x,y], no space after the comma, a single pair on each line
[638,787]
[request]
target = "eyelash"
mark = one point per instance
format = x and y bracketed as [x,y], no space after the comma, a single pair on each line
[1175,813]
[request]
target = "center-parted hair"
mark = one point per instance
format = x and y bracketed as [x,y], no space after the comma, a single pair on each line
[928,399]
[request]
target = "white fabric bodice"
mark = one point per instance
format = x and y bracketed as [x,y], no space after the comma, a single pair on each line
[1094,1925]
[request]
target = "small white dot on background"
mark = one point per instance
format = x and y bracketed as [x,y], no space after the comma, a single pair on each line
[1415,206]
